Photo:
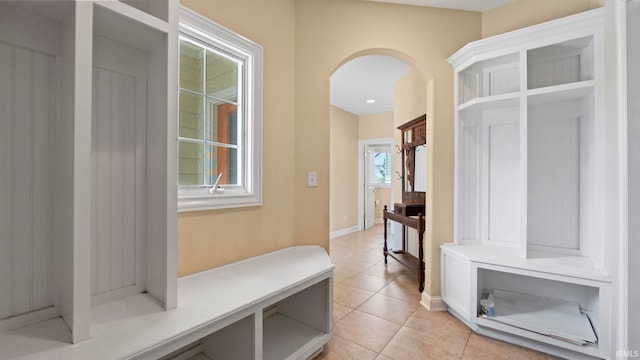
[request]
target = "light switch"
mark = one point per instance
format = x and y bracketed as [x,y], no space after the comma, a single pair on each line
[312,179]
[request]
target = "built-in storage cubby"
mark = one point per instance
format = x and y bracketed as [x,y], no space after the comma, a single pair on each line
[159,9]
[36,181]
[553,309]
[129,94]
[492,77]
[297,322]
[87,88]
[233,342]
[529,163]
[273,306]
[560,63]
[529,193]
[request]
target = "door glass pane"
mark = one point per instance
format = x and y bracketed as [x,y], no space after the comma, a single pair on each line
[191,66]
[190,163]
[222,122]
[222,77]
[381,169]
[223,160]
[191,124]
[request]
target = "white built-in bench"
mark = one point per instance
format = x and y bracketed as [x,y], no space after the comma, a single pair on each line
[275,306]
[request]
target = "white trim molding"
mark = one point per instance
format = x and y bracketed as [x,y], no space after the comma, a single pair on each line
[433,303]
[342,232]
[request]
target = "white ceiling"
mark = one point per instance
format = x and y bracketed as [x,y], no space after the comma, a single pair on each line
[364,78]
[470,5]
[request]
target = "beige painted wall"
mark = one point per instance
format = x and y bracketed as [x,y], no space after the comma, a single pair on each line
[375,126]
[304,42]
[211,238]
[344,169]
[330,32]
[523,13]
[383,195]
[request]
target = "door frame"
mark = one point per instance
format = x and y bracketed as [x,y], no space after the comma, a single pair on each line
[362,146]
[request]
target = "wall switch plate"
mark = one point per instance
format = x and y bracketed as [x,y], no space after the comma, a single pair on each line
[312,179]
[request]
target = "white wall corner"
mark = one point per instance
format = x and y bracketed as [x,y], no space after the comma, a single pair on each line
[433,303]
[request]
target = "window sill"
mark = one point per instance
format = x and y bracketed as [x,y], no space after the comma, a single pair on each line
[217,201]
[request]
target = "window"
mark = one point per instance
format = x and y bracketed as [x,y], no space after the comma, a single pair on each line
[381,169]
[220,117]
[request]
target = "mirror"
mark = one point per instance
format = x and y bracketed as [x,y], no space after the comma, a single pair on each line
[420,169]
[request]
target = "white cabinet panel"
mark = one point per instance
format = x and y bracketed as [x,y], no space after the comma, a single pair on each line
[504,183]
[554,183]
[456,283]
[115,182]
[469,168]
[27,92]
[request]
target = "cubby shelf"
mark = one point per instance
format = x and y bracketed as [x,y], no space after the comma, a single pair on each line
[491,102]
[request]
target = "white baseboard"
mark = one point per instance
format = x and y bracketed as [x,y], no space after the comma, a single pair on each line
[342,232]
[433,303]
[379,221]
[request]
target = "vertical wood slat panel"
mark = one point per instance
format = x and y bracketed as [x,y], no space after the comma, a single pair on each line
[129,189]
[140,189]
[470,176]
[115,175]
[504,183]
[22,239]
[6,178]
[118,211]
[102,195]
[26,79]
[554,183]
[41,223]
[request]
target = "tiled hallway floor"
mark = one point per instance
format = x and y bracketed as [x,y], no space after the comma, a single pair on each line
[377,314]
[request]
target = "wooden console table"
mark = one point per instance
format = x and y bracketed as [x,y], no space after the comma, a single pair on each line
[404,216]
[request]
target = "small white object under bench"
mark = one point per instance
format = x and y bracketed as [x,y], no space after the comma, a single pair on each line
[274,306]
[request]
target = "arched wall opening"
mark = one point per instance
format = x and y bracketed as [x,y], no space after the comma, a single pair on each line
[413,96]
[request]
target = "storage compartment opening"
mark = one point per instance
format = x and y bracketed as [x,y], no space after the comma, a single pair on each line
[128,159]
[233,342]
[297,324]
[489,164]
[35,202]
[562,63]
[489,78]
[559,310]
[560,173]
[157,8]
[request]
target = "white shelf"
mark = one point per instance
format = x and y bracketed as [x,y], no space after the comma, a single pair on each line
[564,92]
[143,17]
[491,102]
[286,338]
[542,262]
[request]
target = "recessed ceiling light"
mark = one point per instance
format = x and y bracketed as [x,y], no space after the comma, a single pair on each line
[371,101]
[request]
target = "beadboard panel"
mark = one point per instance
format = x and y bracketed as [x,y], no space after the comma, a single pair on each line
[116,186]
[470,166]
[554,183]
[504,183]
[27,80]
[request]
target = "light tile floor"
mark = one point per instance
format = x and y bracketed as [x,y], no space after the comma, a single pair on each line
[377,314]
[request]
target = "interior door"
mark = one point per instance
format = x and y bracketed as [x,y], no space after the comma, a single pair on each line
[369,191]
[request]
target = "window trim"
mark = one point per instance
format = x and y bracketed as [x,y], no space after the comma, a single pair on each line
[197,27]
